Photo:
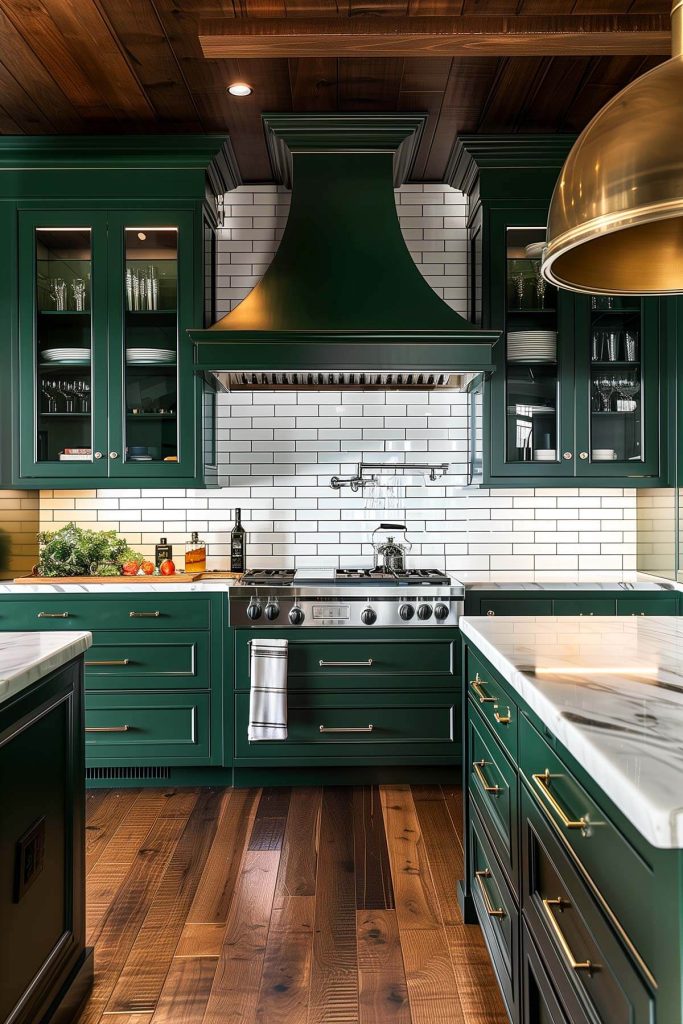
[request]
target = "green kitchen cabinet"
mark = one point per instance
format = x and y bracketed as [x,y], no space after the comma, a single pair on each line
[153,675]
[620,601]
[578,394]
[115,248]
[588,890]
[358,700]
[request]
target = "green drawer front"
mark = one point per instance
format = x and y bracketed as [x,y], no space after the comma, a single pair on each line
[605,857]
[517,606]
[492,702]
[149,611]
[146,661]
[667,605]
[406,732]
[584,606]
[566,922]
[493,788]
[497,914]
[164,728]
[425,662]
[539,999]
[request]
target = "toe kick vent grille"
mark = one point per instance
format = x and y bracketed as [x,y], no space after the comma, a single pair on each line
[155,772]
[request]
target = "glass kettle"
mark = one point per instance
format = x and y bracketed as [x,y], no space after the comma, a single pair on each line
[389,554]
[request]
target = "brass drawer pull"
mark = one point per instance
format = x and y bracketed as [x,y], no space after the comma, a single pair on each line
[346,664]
[108,664]
[561,904]
[53,615]
[488,906]
[478,768]
[476,686]
[144,615]
[107,728]
[503,719]
[542,780]
[350,728]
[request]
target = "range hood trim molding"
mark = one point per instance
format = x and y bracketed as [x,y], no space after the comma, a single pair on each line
[287,134]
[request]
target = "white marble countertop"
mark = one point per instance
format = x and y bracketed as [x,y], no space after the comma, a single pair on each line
[27,657]
[198,586]
[611,690]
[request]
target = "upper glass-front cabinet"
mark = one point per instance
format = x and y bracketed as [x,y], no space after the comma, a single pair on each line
[576,390]
[106,371]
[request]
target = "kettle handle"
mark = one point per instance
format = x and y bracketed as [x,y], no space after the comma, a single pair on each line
[391,526]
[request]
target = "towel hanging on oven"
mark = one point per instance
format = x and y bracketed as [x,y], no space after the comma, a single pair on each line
[268,698]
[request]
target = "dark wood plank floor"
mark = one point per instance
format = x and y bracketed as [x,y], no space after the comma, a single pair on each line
[279,906]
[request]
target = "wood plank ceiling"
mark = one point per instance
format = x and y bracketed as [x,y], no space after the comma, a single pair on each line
[122,66]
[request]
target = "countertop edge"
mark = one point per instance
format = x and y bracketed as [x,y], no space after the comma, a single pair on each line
[26,657]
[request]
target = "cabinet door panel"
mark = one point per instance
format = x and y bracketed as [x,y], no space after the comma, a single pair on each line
[648,606]
[159,728]
[63,345]
[584,606]
[153,431]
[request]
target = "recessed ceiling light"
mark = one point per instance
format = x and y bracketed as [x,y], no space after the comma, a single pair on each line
[142,236]
[240,89]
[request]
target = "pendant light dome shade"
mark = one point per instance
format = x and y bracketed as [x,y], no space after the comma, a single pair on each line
[615,225]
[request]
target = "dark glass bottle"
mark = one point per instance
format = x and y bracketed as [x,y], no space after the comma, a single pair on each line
[162,551]
[238,544]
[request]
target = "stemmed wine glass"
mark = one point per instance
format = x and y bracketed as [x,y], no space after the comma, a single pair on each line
[605,386]
[540,285]
[58,292]
[49,390]
[519,280]
[628,387]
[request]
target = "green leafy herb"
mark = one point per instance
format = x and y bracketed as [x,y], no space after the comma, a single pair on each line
[73,551]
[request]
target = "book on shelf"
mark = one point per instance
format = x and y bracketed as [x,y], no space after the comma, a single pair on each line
[67,456]
[77,451]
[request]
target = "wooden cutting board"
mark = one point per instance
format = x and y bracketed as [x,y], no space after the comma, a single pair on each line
[178,577]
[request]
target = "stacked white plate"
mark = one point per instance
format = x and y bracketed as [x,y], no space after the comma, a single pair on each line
[532,346]
[63,355]
[150,355]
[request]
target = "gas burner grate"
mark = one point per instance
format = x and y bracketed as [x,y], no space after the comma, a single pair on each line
[268,576]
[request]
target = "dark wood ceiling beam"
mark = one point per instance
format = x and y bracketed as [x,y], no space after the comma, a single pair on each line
[467,35]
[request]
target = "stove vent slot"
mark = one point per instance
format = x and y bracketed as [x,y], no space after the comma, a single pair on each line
[252,380]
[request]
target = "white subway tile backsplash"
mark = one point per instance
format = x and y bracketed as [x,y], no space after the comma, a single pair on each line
[278,450]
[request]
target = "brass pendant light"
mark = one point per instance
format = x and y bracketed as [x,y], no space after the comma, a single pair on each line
[615,225]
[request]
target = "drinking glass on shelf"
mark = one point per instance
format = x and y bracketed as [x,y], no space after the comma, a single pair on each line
[605,388]
[65,388]
[628,386]
[631,346]
[612,339]
[49,391]
[540,285]
[58,292]
[78,292]
[81,389]
[597,345]
[519,288]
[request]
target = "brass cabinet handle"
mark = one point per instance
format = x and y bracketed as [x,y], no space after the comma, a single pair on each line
[346,664]
[113,455]
[53,615]
[488,906]
[98,455]
[543,780]
[349,728]
[503,719]
[560,903]
[567,456]
[583,456]
[107,728]
[478,769]
[476,686]
[490,612]
[108,664]
[144,615]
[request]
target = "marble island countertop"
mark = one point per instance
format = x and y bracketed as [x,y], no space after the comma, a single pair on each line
[611,690]
[27,657]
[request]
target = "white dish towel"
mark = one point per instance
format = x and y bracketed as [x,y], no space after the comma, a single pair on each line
[268,698]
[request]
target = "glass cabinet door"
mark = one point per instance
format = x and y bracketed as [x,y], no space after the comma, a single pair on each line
[149,347]
[63,346]
[534,363]
[617,387]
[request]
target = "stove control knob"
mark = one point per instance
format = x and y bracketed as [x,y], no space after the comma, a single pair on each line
[440,612]
[254,610]
[424,611]
[406,611]
[368,616]
[272,610]
[296,616]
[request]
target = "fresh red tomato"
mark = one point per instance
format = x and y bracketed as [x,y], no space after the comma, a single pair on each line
[147,567]
[130,568]
[167,567]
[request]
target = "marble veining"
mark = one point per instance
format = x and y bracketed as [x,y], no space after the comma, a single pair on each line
[197,586]
[611,690]
[27,657]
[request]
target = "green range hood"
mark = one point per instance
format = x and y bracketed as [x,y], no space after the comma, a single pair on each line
[342,305]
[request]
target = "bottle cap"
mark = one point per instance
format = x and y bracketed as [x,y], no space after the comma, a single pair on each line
[194,539]
[163,540]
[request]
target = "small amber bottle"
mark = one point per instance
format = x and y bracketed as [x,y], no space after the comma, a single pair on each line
[195,555]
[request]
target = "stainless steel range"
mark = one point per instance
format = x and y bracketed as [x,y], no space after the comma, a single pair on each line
[346,597]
